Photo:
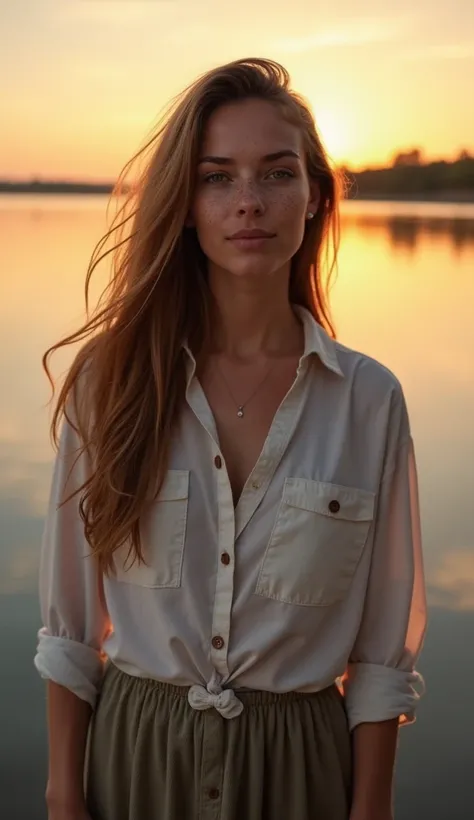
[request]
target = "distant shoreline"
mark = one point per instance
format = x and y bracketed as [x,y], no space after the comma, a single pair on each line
[455,197]
[54,188]
[463,198]
[438,182]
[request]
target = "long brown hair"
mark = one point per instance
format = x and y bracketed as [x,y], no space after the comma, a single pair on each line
[124,389]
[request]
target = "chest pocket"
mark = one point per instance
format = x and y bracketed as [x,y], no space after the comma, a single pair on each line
[163,533]
[316,544]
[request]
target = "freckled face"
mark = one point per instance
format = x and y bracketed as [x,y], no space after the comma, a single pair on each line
[251,180]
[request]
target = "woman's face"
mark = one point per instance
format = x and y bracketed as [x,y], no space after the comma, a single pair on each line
[253,192]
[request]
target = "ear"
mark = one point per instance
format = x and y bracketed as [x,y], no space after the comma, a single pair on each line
[315,197]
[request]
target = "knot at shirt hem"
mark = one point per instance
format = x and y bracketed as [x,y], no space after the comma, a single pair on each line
[225,702]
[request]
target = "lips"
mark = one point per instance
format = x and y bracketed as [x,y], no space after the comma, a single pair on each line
[252,233]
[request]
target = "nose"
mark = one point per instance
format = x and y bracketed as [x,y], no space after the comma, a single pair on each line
[250,201]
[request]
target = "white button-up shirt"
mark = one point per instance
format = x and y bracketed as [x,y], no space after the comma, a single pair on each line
[315,576]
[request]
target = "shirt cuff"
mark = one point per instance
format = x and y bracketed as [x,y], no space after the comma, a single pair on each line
[71,664]
[374,693]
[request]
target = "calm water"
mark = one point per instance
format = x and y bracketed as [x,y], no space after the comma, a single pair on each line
[405,295]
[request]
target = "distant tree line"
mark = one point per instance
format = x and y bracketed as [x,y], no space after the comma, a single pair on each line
[37,186]
[409,177]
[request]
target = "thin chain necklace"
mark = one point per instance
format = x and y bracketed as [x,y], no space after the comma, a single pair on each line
[241,407]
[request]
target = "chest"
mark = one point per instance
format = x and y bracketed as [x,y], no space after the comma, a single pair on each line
[242,434]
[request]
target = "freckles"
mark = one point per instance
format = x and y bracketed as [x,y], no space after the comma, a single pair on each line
[209,213]
[209,216]
[289,203]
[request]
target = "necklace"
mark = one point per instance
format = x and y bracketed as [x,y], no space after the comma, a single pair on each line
[241,407]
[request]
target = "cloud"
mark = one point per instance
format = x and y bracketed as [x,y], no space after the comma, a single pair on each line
[451,585]
[118,13]
[446,51]
[359,32]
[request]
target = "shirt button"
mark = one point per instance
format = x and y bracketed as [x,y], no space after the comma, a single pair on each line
[214,794]
[217,642]
[334,506]
[218,462]
[225,558]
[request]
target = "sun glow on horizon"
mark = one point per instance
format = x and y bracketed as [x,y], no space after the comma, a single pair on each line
[368,79]
[334,133]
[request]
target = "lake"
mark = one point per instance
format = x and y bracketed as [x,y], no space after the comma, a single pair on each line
[405,295]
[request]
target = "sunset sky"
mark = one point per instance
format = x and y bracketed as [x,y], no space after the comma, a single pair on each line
[84,80]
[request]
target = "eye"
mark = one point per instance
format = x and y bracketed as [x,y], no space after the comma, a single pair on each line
[281,173]
[216,176]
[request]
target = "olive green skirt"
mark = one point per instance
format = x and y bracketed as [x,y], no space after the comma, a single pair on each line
[152,756]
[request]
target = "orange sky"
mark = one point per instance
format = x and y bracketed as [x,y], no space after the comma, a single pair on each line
[86,79]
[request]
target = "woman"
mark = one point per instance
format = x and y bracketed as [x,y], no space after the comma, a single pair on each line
[233,521]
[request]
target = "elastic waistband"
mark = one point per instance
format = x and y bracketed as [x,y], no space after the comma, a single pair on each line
[225,700]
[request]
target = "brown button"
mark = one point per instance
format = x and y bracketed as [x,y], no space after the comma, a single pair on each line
[225,558]
[214,794]
[218,462]
[334,506]
[217,642]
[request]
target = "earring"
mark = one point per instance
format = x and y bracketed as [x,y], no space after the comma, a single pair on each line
[310,215]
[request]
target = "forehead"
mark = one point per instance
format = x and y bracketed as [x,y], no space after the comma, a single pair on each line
[250,125]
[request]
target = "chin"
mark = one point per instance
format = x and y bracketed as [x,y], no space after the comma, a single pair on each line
[254,265]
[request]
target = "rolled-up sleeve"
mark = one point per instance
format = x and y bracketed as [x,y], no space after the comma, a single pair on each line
[381,681]
[73,611]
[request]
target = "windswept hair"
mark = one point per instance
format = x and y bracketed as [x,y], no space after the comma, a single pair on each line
[126,385]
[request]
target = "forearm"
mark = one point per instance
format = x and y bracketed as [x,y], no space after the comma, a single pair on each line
[374,748]
[68,723]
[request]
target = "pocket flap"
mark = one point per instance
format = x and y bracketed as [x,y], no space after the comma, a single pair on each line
[333,500]
[175,486]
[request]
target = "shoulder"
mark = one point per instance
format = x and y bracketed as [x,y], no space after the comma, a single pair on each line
[374,389]
[364,371]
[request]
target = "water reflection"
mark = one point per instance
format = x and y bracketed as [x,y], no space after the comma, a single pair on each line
[404,295]
[409,231]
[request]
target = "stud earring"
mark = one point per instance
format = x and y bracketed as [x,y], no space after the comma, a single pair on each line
[310,215]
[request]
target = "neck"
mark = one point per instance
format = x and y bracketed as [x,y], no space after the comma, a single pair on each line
[251,322]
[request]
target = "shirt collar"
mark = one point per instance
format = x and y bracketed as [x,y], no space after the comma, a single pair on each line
[316,341]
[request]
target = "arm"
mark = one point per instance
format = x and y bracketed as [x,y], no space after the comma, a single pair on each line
[69,653]
[378,688]
[68,722]
[374,748]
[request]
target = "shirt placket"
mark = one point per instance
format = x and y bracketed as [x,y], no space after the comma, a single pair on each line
[225,571]
[231,522]
[224,589]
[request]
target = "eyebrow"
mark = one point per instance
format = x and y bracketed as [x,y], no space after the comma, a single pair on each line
[286,152]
